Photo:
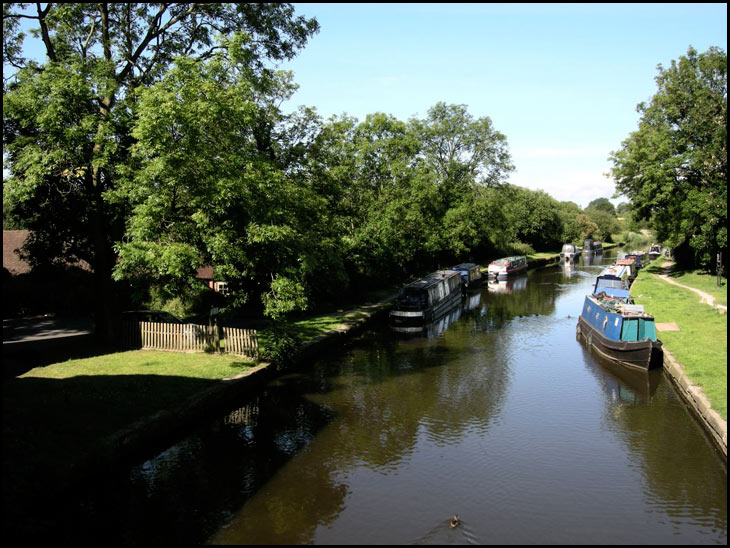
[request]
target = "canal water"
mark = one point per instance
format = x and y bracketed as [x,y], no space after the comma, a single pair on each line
[497,415]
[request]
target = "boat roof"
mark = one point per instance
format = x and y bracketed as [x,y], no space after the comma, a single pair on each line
[615,270]
[464,266]
[432,279]
[509,259]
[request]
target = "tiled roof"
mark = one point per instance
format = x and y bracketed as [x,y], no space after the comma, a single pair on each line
[12,241]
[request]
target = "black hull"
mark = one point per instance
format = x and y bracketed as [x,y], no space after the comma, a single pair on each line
[642,355]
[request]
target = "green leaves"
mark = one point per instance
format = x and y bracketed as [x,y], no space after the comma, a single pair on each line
[674,167]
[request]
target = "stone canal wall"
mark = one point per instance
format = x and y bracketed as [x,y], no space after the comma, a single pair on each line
[710,419]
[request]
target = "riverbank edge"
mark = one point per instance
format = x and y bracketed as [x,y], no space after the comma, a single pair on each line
[697,401]
[692,394]
[144,437]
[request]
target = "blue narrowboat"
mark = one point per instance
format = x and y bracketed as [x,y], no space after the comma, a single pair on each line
[471,275]
[619,331]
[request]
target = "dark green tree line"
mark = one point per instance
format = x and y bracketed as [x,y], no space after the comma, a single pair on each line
[674,166]
[150,153]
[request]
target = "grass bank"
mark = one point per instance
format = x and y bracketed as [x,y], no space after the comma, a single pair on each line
[56,417]
[700,345]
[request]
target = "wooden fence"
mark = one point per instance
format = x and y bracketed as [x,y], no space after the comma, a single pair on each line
[189,338]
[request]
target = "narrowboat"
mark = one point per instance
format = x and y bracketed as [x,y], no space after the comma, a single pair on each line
[569,253]
[619,331]
[428,298]
[501,268]
[638,258]
[597,247]
[471,275]
[587,245]
[630,265]
[655,250]
[612,278]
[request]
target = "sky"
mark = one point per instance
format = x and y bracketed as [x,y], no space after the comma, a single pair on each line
[560,81]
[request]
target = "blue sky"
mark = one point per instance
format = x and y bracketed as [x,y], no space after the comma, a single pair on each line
[561,81]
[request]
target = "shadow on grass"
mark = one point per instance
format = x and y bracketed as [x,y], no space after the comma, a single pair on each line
[56,487]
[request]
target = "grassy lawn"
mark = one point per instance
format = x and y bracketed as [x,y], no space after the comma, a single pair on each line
[55,415]
[701,344]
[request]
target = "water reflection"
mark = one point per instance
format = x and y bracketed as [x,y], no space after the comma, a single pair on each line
[510,285]
[497,414]
[435,328]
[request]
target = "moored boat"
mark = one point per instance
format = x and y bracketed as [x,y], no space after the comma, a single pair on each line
[655,250]
[569,253]
[630,264]
[502,268]
[614,280]
[639,258]
[428,298]
[471,275]
[619,331]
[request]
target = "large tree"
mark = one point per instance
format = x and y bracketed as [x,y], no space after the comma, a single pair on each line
[67,120]
[674,167]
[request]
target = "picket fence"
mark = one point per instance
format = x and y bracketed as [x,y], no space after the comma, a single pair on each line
[189,338]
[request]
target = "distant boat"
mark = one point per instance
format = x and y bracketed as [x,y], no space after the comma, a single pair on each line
[630,264]
[639,257]
[587,245]
[502,268]
[471,275]
[621,332]
[614,280]
[427,299]
[569,253]
[655,250]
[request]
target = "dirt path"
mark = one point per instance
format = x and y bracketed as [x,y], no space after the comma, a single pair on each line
[706,298]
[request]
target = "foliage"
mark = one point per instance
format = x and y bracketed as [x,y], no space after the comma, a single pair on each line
[150,153]
[674,167]
[605,222]
[67,122]
[602,204]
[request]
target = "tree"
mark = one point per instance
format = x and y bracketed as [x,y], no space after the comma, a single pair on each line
[462,151]
[674,167]
[212,188]
[67,121]
[602,204]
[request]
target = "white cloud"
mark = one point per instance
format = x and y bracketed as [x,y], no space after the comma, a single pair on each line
[581,187]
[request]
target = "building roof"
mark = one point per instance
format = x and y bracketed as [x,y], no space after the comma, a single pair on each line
[12,241]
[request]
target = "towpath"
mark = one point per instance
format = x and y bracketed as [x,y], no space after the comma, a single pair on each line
[706,298]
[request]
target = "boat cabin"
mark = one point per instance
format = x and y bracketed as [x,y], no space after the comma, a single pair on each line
[502,268]
[569,252]
[638,258]
[655,250]
[426,298]
[618,321]
[471,274]
[615,281]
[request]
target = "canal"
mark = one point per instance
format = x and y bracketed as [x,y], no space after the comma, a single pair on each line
[496,414]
